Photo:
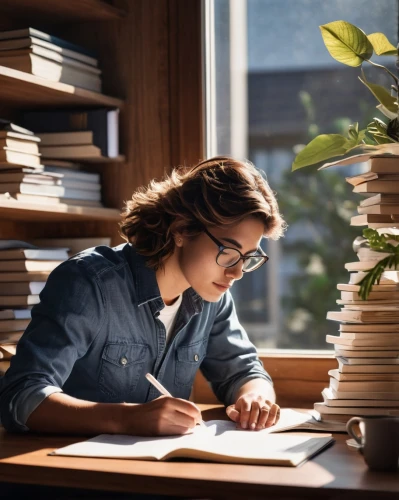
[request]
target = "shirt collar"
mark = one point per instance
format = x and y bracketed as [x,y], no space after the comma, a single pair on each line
[147,286]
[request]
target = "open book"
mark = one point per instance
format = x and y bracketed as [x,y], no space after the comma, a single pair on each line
[217,441]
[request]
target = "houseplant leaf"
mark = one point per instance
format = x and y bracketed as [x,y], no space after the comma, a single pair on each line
[381,94]
[322,148]
[381,45]
[357,154]
[346,43]
[386,112]
[361,153]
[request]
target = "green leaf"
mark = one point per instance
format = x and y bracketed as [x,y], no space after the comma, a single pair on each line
[381,94]
[353,131]
[322,148]
[361,136]
[383,139]
[368,139]
[374,275]
[389,114]
[346,43]
[379,242]
[381,126]
[382,46]
[360,153]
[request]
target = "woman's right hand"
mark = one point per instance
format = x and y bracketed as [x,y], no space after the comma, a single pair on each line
[161,417]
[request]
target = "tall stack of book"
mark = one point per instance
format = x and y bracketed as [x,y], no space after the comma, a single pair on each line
[24,178]
[24,269]
[366,381]
[46,56]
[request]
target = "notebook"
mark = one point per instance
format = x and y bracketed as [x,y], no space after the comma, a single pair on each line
[217,441]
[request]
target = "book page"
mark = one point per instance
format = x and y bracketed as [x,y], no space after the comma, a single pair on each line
[235,446]
[124,446]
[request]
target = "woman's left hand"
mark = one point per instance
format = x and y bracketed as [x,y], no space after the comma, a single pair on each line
[252,412]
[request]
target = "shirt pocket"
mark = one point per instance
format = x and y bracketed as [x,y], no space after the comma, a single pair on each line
[188,360]
[121,367]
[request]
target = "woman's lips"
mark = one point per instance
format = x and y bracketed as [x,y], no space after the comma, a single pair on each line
[222,287]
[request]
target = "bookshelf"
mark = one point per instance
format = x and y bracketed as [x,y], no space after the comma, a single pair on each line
[22,90]
[16,210]
[62,11]
[150,56]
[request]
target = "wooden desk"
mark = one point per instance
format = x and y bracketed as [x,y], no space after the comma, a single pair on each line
[336,473]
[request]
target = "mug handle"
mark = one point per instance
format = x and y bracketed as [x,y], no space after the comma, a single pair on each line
[351,432]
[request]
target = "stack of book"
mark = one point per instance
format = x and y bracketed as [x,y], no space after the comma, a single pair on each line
[19,146]
[380,188]
[24,269]
[24,178]
[366,381]
[84,135]
[46,56]
[50,184]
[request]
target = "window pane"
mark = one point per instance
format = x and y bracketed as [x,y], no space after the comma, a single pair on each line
[272,86]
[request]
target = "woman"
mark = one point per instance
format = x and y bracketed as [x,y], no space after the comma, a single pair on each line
[158,304]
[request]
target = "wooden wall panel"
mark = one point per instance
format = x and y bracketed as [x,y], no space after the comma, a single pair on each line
[186,84]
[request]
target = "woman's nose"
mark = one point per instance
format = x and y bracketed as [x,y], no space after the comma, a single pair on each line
[235,271]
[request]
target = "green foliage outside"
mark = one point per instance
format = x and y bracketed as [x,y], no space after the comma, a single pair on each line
[321,205]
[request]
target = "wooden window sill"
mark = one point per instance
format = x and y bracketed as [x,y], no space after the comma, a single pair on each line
[298,377]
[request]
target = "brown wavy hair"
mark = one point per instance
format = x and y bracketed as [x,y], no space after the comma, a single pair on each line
[220,191]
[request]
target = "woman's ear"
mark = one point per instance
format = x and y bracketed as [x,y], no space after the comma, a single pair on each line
[178,239]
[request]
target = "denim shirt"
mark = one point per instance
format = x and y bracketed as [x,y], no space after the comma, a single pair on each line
[96,333]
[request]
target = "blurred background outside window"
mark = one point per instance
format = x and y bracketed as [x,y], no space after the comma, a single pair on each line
[271,86]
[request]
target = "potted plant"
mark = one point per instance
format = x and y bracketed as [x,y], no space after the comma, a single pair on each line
[351,46]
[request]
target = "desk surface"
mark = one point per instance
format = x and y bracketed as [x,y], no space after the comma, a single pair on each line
[24,459]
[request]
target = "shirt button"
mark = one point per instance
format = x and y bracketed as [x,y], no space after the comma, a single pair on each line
[196,357]
[123,361]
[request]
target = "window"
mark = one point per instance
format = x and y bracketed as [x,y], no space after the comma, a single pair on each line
[271,86]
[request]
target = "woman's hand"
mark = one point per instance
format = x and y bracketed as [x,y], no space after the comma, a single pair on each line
[253,412]
[161,417]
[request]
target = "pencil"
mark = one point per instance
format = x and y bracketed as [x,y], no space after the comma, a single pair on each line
[162,389]
[158,385]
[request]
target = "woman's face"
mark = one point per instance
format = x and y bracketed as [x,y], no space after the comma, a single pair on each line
[197,257]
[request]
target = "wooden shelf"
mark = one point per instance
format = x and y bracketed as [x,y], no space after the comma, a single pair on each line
[60,11]
[94,159]
[23,90]
[16,210]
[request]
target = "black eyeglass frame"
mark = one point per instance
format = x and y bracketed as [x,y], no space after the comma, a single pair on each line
[242,257]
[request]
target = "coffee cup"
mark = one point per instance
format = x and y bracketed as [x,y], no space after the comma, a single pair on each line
[378,440]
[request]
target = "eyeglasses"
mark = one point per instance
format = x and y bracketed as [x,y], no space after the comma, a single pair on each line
[229,257]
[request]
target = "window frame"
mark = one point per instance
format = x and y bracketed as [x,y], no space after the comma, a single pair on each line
[299,376]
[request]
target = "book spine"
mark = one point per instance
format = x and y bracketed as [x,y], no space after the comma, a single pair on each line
[51,121]
[61,42]
[97,121]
